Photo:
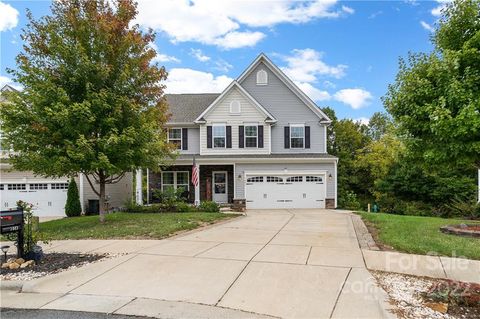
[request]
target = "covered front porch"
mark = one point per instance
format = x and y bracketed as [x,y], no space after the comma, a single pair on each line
[216,182]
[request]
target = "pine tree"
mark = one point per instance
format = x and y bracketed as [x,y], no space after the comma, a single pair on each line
[73,206]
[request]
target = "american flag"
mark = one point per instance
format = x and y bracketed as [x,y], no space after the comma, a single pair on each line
[194,173]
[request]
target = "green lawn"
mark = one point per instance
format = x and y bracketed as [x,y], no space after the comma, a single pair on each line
[127,225]
[421,235]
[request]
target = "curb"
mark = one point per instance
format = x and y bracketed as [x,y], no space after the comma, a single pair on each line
[11,285]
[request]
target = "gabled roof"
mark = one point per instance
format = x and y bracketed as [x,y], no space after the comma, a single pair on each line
[6,88]
[185,108]
[289,83]
[269,117]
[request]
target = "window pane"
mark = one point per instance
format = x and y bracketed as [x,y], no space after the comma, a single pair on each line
[175,133]
[219,178]
[296,131]
[167,178]
[251,131]
[218,130]
[220,189]
[219,142]
[297,142]
[251,142]
[182,178]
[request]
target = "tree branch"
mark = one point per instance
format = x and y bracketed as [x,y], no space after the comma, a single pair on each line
[113,180]
[91,185]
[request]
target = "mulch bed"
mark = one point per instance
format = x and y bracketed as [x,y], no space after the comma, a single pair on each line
[51,263]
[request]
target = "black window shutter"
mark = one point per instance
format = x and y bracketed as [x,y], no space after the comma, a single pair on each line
[184,139]
[260,136]
[307,136]
[229,137]
[287,136]
[241,136]
[209,137]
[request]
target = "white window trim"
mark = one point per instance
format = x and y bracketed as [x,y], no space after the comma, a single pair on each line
[176,139]
[297,125]
[245,135]
[266,77]
[224,136]
[175,181]
[239,108]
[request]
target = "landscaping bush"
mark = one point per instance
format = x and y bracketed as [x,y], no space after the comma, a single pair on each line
[182,207]
[73,206]
[209,206]
[462,207]
[349,201]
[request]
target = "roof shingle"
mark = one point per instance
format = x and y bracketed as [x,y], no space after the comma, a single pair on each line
[185,108]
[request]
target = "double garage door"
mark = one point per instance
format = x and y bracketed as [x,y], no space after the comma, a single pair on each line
[285,191]
[48,198]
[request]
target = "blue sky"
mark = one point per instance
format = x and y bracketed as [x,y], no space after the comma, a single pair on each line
[342,54]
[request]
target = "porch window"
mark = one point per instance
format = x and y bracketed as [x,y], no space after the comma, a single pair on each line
[175,137]
[251,135]
[175,180]
[219,136]
[297,136]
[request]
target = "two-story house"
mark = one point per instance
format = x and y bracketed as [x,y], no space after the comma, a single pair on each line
[261,140]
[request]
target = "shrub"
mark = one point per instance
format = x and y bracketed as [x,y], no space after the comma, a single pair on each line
[349,201]
[73,206]
[463,207]
[184,207]
[209,206]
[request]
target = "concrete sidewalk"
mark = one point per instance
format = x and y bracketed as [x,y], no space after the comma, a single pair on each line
[290,264]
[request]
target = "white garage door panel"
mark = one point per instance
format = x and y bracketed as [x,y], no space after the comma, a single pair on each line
[46,202]
[292,191]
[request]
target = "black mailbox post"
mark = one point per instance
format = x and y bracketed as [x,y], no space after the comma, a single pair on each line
[11,221]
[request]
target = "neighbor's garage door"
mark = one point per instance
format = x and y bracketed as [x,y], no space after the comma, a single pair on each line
[292,191]
[48,199]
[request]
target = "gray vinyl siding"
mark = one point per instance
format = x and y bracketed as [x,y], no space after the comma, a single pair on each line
[193,141]
[7,175]
[117,194]
[241,168]
[287,108]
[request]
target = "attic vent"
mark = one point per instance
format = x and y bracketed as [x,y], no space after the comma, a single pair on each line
[235,107]
[262,77]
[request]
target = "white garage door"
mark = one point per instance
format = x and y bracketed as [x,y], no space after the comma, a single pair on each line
[285,191]
[48,198]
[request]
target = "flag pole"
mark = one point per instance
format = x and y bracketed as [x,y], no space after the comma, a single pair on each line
[196,181]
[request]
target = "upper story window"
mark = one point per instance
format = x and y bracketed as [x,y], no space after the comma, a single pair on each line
[251,135]
[235,107]
[262,77]
[297,136]
[219,135]
[175,137]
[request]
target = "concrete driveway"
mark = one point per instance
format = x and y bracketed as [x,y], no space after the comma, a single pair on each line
[283,263]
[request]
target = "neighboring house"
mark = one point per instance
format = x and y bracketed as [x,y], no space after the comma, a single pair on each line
[261,140]
[46,194]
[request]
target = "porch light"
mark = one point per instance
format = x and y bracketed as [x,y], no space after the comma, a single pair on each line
[5,251]
[239,176]
[330,177]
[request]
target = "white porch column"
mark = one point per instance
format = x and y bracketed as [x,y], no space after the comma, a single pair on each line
[81,186]
[197,189]
[138,187]
[148,186]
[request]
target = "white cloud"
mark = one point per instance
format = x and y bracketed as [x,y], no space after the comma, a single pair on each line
[437,11]
[8,17]
[235,39]
[223,66]
[426,26]
[183,80]
[348,10]
[329,85]
[356,98]
[198,54]
[312,92]
[160,57]
[305,65]
[225,23]
[375,14]
[362,120]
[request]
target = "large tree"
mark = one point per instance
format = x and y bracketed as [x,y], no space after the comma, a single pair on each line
[436,96]
[92,100]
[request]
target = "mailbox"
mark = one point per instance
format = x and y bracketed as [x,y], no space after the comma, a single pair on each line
[11,221]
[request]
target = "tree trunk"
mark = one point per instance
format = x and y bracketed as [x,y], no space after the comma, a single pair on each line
[102,197]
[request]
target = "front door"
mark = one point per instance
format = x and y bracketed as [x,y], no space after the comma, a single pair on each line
[219,187]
